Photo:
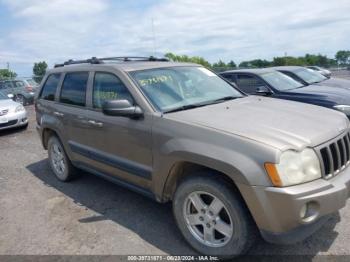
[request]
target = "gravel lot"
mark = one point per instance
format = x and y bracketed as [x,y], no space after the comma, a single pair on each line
[39,215]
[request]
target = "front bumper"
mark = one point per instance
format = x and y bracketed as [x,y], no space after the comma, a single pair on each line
[277,211]
[13,120]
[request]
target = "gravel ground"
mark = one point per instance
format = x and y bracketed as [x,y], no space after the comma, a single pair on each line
[40,215]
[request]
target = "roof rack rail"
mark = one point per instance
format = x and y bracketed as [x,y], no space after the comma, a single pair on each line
[135,58]
[95,60]
[92,60]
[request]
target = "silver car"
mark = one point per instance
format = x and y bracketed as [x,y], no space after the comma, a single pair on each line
[321,70]
[12,114]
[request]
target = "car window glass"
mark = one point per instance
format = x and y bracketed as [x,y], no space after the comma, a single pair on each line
[248,83]
[109,87]
[309,76]
[18,83]
[176,87]
[8,84]
[229,77]
[292,76]
[49,89]
[74,88]
[280,81]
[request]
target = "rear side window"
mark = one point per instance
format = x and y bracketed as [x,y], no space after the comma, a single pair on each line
[49,89]
[73,90]
[292,76]
[109,87]
[7,85]
[230,77]
[18,83]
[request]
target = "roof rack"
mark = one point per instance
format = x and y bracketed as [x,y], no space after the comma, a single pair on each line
[95,60]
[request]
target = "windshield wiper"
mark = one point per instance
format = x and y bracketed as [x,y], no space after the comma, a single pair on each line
[225,98]
[181,108]
[185,107]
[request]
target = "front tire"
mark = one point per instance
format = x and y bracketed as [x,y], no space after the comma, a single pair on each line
[59,161]
[212,217]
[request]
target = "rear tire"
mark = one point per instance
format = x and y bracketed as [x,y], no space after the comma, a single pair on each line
[223,229]
[59,161]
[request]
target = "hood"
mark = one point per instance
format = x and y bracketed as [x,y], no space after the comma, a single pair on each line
[336,82]
[275,122]
[336,95]
[8,104]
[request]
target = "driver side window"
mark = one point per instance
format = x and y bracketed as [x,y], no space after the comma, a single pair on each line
[248,83]
[108,86]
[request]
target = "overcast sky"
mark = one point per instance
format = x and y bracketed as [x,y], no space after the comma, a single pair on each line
[56,30]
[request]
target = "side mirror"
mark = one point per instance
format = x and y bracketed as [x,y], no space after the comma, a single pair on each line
[121,108]
[11,96]
[262,90]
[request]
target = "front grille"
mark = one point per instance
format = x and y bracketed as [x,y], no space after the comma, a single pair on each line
[9,123]
[335,155]
[4,112]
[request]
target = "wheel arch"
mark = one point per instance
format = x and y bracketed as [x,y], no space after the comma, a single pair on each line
[184,169]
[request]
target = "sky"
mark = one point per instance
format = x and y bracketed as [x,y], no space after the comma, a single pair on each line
[239,30]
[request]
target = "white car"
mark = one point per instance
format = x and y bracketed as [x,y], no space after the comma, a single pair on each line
[12,114]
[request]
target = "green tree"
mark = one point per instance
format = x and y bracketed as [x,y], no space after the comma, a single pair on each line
[185,58]
[231,64]
[39,70]
[343,57]
[219,66]
[256,63]
[6,73]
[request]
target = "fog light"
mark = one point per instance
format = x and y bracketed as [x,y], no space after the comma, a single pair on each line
[303,211]
[309,211]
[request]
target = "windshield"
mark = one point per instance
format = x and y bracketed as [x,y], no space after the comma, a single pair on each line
[172,88]
[309,76]
[281,81]
[3,96]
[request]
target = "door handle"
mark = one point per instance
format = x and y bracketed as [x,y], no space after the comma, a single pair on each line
[94,123]
[58,114]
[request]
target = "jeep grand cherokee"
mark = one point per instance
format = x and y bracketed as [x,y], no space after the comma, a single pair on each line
[234,166]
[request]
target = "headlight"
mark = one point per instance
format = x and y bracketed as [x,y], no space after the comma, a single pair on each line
[343,108]
[19,108]
[294,168]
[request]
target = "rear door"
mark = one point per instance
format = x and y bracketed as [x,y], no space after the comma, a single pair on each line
[70,111]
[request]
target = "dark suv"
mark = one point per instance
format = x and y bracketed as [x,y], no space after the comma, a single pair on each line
[272,83]
[234,166]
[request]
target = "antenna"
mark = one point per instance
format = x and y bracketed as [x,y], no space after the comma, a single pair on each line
[154,38]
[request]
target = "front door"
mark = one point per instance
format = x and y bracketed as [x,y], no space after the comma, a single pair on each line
[118,146]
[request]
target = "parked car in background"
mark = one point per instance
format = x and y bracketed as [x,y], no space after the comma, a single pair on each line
[308,77]
[23,90]
[12,114]
[234,166]
[272,83]
[321,70]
